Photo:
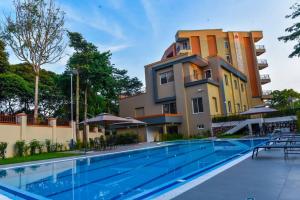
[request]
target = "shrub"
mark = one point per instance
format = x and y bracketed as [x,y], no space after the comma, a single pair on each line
[173,136]
[33,145]
[20,148]
[40,147]
[127,138]
[48,145]
[59,146]
[298,121]
[3,146]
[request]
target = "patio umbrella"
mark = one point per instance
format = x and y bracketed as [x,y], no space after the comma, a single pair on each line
[131,122]
[105,119]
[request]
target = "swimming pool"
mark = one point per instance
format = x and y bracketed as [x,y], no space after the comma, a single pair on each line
[137,174]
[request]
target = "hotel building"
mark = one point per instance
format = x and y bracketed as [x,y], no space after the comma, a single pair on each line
[202,74]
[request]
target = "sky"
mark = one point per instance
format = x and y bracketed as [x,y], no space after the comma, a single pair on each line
[138,31]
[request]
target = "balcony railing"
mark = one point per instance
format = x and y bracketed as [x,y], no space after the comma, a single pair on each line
[265,78]
[260,49]
[267,92]
[262,63]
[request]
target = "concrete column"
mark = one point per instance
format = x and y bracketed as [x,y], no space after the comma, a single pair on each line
[87,130]
[250,129]
[165,130]
[52,123]
[21,119]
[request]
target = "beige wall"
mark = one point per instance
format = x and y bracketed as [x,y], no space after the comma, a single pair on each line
[141,132]
[167,89]
[11,133]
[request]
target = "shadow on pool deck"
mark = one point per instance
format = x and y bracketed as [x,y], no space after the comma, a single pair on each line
[267,177]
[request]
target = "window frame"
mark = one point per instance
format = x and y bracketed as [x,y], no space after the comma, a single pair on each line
[229,107]
[216,104]
[226,79]
[200,127]
[210,73]
[169,108]
[226,44]
[167,76]
[193,107]
[235,84]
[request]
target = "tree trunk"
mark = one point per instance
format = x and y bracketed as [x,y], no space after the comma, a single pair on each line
[36,98]
[85,115]
[77,107]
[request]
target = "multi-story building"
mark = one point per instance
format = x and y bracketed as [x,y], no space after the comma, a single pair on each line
[202,74]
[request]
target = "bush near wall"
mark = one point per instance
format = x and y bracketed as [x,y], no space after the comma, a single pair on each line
[127,138]
[298,121]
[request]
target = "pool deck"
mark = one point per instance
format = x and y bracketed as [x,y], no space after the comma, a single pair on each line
[120,148]
[267,177]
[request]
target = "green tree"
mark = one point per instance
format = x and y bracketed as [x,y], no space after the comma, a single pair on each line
[3,57]
[293,31]
[36,35]
[285,99]
[14,92]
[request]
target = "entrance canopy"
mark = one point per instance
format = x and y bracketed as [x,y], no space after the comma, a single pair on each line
[131,122]
[258,110]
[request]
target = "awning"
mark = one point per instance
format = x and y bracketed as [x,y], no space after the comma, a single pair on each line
[258,110]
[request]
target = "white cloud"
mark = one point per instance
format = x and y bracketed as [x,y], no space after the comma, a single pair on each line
[151,15]
[95,20]
[113,48]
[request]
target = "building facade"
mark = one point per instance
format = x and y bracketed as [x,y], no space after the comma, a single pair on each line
[202,74]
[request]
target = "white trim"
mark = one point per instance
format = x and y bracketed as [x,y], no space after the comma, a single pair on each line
[181,189]
[198,109]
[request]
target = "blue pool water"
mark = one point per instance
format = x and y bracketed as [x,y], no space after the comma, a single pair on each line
[137,174]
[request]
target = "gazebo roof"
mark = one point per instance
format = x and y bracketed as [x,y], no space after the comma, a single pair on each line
[258,110]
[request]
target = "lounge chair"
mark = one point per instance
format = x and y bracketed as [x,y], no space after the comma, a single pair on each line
[288,148]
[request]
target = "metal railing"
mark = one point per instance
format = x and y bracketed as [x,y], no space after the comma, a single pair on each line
[262,61]
[260,47]
[266,92]
[9,119]
[265,77]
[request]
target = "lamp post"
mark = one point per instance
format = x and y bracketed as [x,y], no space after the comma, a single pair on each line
[71,72]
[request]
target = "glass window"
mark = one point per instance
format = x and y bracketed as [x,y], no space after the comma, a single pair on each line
[226,44]
[208,73]
[228,58]
[185,45]
[215,103]
[242,87]
[226,79]
[170,108]
[235,84]
[196,74]
[229,107]
[166,77]
[197,105]
[200,126]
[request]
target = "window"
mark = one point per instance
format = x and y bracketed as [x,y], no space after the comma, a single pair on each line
[242,87]
[228,58]
[226,44]
[197,105]
[139,112]
[169,108]
[235,84]
[229,107]
[226,79]
[200,126]
[166,77]
[245,108]
[185,45]
[208,73]
[196,74]
[215,103]
[172,129]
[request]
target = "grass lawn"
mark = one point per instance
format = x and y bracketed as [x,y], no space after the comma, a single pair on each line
[43,156]
[231,136]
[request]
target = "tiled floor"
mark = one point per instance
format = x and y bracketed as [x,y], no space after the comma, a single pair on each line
[268,177]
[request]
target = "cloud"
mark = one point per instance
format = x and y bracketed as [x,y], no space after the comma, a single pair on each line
[113,48]
[94,20]
[151,15]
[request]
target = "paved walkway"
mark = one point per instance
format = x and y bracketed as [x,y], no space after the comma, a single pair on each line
[115,150]
[268,177]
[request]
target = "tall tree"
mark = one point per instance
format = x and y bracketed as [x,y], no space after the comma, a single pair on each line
[294,30]
[3,57]
[284,99]
[36,35]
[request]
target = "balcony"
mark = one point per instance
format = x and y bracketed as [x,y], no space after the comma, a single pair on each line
[265,78]
[262,64]
[260,49]
[183,50]
[267,94]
